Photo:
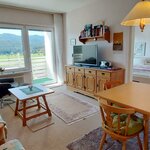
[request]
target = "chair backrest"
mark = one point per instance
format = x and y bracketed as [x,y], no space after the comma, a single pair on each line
[7,80]
[116,119]
[111,84]
[4,89]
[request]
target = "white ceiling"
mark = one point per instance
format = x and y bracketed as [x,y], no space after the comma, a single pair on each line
[60,6]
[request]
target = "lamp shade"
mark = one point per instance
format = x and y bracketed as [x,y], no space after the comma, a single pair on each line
[139,15]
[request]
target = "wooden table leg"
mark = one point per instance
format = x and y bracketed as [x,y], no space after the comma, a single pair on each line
[146,126]
[46,105]
[38,102]
[16,109]
[24,113]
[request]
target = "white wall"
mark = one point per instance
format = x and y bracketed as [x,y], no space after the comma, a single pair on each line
[112,12]
[25,17]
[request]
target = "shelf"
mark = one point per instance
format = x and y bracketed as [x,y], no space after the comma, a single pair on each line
[96,38]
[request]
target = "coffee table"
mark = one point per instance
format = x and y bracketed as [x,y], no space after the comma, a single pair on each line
[25,93]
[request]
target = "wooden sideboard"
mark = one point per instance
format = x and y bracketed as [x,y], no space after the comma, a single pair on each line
[90,81]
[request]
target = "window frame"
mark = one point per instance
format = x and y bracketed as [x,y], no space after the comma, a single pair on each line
[46,29]
[19,27]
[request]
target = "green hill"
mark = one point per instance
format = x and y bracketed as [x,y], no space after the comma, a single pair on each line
[12,44]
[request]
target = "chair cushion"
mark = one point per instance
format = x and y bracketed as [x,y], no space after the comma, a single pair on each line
[2,121]
[135,124]
[116,105]
[12,145]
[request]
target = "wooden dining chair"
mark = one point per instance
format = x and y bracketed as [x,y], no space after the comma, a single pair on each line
[111,84]
[120,123]
[3,131]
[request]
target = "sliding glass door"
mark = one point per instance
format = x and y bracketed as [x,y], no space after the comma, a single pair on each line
[42,56]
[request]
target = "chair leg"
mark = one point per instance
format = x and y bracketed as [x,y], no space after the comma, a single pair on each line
[1,100]
[124,145]
[102,141]
[139,142]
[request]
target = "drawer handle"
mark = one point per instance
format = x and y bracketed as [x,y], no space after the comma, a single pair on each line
[103,73]
[89,71]
[69,68]
[78,69]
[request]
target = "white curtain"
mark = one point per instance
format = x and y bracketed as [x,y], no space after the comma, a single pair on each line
[58,31]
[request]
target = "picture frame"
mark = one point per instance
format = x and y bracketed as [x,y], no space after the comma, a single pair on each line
[118,41]
[140,49]
[72,41]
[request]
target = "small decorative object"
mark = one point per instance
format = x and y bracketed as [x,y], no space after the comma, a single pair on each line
[88,30]
[140,49]
[30,87]
[72,41]
[118,41]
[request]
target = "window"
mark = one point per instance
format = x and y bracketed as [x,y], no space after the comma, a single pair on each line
[11,48]
[25,48]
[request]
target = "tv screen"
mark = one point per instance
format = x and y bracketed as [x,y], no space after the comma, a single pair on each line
[85,55]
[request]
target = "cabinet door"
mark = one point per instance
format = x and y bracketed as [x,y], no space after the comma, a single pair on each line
[100,83]
[79,81]
[90,84]
[70,79]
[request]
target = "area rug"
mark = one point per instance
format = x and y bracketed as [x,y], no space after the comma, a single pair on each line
[70,109]
[91,141]
[37,123]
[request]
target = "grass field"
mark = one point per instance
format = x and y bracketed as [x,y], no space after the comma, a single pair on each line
[12,56]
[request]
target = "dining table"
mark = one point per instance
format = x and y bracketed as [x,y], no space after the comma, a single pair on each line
[133,95]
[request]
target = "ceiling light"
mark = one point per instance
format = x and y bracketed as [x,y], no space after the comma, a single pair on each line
[138,16]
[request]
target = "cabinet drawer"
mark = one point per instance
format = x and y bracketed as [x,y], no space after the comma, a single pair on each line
[70,69]
[90,72]
[79,70]
[103,74]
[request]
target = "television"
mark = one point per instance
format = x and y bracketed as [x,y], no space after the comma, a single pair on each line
[85,55]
